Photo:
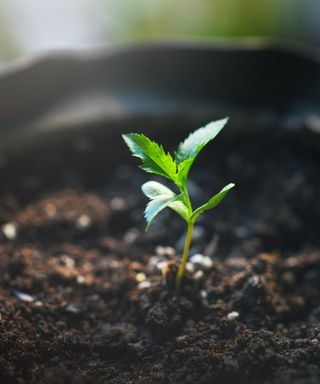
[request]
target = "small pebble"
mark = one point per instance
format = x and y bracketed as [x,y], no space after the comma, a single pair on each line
[140,277]
[201,262]
[233,315]
[72,308]
[254,281]
[314,342]
[198,275]
[204,294]
[83,221]
[165,251]
[80,279]
[190,267]
[67,261]
[10,231]
[144,284]
[24,296]
[182,339]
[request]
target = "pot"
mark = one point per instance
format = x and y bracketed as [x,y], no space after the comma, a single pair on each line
[81,289]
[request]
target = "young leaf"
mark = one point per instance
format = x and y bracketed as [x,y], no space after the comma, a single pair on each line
[213,202]
[189,149]
[153,189]
[154,158]
[199,139]
[155,206]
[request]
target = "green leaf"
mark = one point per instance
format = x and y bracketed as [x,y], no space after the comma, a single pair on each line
[153,189]
[155,206]
[194,143]
[162,194]
[154,158]
[213,202]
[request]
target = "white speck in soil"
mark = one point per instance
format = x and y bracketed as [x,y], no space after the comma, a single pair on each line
[83,222]
[190,267]
[140,277]
[72,308]
[144,284]
[80,279]
[201,262]
[10,231]
[165,251]
[203,294]
[198,275]
[24,296]
[67,261]
[254,281]
[233,315]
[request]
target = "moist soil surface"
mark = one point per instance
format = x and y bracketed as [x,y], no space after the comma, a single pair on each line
[83,297]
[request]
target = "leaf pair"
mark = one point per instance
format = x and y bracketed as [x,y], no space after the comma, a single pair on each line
[162,197]
[156,160]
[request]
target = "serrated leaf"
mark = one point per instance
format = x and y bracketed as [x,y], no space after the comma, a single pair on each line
[153,189]
[154,158]
[213,202]
[159,192]
[198,139]
[155,206]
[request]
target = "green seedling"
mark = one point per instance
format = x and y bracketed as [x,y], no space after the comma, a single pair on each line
[175,168]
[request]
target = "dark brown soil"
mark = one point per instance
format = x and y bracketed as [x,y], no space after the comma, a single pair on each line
[82,296]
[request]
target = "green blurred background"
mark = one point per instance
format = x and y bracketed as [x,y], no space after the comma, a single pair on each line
[33,26]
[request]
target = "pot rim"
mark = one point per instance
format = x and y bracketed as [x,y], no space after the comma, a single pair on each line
[64,90]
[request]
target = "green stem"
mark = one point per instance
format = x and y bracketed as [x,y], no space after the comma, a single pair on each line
[184,259]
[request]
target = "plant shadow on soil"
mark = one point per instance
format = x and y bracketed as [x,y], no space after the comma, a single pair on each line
[82,298]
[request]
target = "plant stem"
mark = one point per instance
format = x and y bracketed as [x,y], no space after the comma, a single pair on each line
[184,259]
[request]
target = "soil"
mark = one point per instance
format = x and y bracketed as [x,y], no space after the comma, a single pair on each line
[83,297]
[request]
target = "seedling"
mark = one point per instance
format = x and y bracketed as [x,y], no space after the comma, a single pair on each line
[175,168]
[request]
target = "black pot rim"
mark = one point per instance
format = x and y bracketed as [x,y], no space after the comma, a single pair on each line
[254,80]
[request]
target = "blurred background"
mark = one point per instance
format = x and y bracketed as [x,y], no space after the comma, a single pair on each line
[33,26]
